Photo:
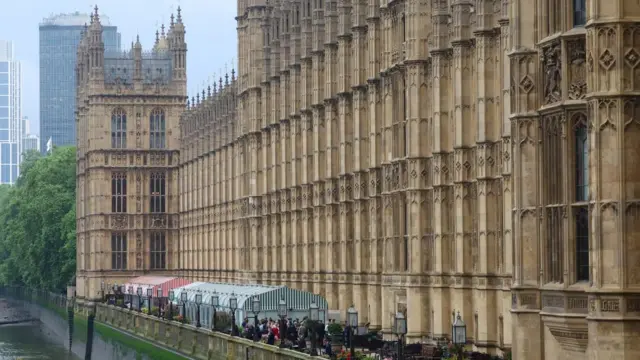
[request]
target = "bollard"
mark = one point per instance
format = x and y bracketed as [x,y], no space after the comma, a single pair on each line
[70,325]
[90,321]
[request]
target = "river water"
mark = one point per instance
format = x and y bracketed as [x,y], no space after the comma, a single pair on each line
[30,341]
[48,338]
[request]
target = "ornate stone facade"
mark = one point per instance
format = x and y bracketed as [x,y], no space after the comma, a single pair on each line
[128,111]
[426,156]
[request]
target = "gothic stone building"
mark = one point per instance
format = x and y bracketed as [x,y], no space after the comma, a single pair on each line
[128,110]
[430,157]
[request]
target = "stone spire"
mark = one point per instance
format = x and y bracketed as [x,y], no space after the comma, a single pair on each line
[96,17]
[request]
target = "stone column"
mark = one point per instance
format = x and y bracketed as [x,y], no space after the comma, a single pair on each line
[442,169]
[613,56]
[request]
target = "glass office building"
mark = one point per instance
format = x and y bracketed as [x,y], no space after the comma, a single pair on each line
[59,39]
[10,114]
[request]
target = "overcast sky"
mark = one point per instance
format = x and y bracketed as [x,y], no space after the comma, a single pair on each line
[210,26]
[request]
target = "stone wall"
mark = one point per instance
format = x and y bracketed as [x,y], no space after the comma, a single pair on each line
[198,343]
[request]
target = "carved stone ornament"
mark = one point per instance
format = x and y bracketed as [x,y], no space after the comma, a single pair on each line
[552,65]
[577,70]
[158,222]
[119,221]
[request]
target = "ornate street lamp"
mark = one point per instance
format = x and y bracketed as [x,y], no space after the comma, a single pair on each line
[149,297]
[159,296]
[139,292]
[215,302]
[255,307]
[102,289]
[400,330]
[233,306]
[352,321]
[170,303]
[130,297]
[314,316]
[183,297]
[198,302]
[282,313]
[459,334]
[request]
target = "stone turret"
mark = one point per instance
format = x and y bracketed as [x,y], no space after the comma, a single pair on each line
[96,47]
[178,48]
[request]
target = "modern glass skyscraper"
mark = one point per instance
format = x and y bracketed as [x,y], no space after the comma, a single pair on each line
[10,114]
[59,39]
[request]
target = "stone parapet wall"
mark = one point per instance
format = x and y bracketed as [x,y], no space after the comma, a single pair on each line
[198,343]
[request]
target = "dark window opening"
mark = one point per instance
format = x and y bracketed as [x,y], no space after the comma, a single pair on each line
[579,12]
[582,244]
[119,251]
[118,192]
[157,128]
[158,193]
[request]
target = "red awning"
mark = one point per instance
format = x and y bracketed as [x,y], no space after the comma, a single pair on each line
[155,282]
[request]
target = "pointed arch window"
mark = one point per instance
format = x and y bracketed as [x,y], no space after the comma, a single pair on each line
[118,251]
[581,211]
[118,192]
[579,12]
[158,250]
[119,129]
[157,129]
[158,189]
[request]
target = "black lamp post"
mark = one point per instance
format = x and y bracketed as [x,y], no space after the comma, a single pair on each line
[121,293]
[352,321]
[400,330]
[314,316]
[233,306]
[170,303]
[183,297]
[139,292]
[255,307]
[215,302]
[149,298]
[159,296]
[459,334]
[102,290]
[282,313]
[198,302]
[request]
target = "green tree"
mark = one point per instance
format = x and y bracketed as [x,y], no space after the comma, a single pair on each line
[37,222]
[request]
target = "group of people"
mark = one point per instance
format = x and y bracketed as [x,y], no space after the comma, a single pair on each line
[293,332]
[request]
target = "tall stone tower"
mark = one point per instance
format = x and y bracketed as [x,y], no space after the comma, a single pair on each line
[128,109]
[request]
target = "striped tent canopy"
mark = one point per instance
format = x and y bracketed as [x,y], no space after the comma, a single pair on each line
[165,283]
[298,301]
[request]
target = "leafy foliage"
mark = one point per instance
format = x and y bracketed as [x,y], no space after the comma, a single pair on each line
[38,222]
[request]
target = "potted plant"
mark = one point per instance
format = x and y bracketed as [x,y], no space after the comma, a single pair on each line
[336,335]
